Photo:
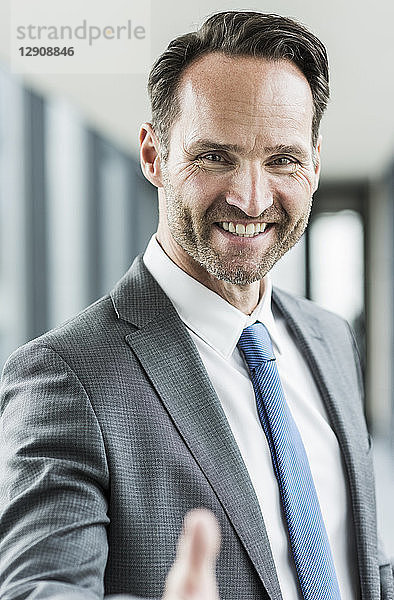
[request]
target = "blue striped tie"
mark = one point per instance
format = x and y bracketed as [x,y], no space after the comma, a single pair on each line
[307,534]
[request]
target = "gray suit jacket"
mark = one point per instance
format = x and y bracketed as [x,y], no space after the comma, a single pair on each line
[111,431]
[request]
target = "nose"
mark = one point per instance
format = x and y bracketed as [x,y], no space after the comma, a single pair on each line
[251,190]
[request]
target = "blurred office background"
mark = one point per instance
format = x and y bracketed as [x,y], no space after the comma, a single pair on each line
[75,208]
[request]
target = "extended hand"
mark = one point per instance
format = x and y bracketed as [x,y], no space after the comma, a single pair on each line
[192,576]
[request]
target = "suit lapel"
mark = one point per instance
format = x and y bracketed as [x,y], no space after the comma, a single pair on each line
[340,396]
[168,355]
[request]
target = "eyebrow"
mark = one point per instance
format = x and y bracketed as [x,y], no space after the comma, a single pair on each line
[206,144]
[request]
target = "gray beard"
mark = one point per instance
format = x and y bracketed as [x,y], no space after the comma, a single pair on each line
[194,240]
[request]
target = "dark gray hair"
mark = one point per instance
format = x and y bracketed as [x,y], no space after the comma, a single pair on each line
[237,33]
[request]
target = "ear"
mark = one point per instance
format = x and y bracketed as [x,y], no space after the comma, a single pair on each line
[149,155]
[317,163]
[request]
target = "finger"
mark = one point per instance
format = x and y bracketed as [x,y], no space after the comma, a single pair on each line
[202,533]
[193,572]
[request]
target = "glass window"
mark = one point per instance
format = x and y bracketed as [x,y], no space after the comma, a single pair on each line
[337,263]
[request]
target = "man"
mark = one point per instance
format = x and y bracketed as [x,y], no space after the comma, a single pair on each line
[148,404]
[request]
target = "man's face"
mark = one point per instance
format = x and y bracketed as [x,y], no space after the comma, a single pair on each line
[239,178]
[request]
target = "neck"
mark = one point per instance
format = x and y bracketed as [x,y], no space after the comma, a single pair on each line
[244,297]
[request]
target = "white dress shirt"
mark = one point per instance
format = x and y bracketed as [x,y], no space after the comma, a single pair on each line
[215,327]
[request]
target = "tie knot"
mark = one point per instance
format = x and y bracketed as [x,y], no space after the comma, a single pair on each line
[256,345]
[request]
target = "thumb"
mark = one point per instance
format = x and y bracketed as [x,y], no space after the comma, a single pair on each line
[192,575]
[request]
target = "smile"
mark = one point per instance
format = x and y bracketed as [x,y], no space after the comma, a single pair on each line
[239,229]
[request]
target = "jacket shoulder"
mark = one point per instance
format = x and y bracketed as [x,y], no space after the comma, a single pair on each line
[291,303]
[80,336]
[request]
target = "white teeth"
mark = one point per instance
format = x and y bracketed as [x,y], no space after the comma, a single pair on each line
[250,230]
[240,229]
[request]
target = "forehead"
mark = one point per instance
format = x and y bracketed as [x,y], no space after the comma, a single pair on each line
[243,99]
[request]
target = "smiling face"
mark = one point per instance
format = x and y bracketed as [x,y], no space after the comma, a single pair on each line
[239,178]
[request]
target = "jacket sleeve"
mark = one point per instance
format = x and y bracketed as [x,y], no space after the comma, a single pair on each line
[53,482]
[386,570]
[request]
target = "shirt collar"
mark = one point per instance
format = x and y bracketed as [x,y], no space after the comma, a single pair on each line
[203,311]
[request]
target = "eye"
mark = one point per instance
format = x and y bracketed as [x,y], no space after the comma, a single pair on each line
[283,161]
[212,157]
[283,165]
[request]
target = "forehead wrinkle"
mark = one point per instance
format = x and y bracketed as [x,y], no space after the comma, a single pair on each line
[210,105]
[203,113]
[217,119]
